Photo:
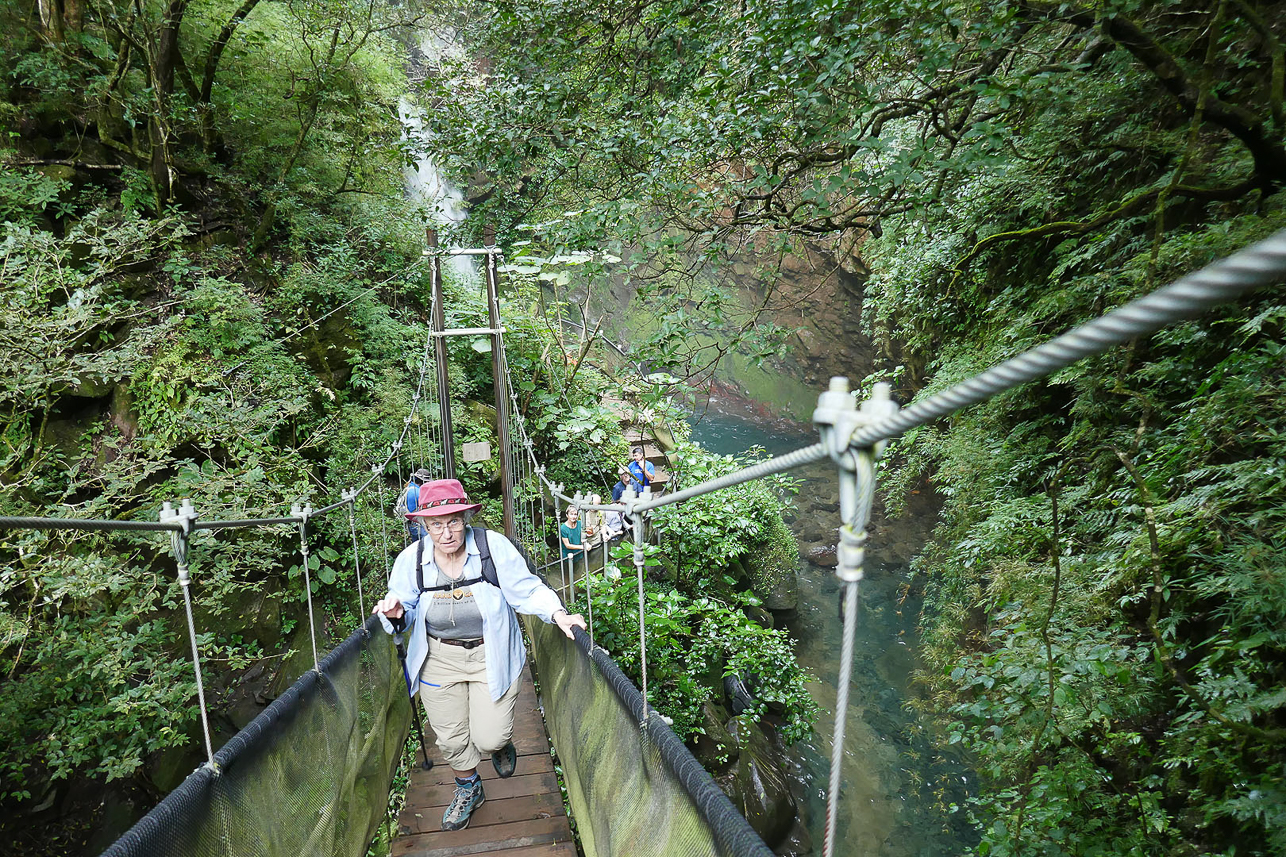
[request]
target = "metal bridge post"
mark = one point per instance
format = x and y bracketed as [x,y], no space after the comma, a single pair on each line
[837,418]
[439,324]
[577,499]
[498,372]
[179,545]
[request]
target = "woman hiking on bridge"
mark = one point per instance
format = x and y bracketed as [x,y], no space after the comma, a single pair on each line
[458,599]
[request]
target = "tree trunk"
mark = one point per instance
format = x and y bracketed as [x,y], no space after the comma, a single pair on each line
[212,67]
[51,19]
[163,64]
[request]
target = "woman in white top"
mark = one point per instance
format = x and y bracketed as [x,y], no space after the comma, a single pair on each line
[457,597]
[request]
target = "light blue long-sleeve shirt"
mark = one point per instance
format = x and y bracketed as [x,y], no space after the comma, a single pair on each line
[519,590]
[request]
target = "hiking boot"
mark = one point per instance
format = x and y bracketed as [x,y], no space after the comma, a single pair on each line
[468,797]
[505,759]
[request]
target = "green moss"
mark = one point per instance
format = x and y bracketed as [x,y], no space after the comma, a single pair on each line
[773,566]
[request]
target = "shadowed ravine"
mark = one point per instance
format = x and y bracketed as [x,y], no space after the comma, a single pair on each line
[898,780]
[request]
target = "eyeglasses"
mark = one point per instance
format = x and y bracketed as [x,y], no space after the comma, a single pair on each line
[438,527]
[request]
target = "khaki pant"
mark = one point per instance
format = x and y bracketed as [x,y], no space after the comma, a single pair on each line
[458,705]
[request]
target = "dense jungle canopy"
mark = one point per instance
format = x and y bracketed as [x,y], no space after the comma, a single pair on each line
[212,287]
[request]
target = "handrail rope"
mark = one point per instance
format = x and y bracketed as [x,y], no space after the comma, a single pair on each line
[10,522]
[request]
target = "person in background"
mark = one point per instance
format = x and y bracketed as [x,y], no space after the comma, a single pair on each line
[411,502]
[571,541]
[614,522]
[592,523]
[456,593]
[624,481]
[641,470]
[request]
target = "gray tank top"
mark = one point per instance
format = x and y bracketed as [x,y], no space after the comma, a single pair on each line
[452,614]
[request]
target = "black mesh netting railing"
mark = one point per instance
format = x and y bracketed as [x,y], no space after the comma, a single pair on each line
[310,775]
[633,786]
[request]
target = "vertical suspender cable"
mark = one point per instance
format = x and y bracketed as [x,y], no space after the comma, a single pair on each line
[351,496]
[838,418]
[179,544]
[383,515]
[304,514]
[639,562]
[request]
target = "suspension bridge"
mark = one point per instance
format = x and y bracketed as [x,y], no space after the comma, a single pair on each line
[311,774]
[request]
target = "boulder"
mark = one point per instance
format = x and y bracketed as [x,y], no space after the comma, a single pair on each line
[825,556]
[715,750]
[757,785]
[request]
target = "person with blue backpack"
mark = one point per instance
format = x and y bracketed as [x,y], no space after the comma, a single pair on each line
[410,502]
[457,594]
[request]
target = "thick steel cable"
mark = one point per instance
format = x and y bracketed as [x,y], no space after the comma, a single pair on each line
[841,712]
[1259,265]
[34,523]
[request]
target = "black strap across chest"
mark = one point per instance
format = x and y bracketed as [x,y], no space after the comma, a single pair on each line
[484,553]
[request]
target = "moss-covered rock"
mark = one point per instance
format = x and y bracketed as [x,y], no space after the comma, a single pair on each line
[773,567]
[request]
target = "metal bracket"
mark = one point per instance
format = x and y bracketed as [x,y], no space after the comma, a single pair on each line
[184,517]
[838,418]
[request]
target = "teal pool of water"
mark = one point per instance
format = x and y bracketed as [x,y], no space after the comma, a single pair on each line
[900,777]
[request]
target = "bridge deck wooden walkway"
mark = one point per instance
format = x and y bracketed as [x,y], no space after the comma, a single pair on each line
[523,816]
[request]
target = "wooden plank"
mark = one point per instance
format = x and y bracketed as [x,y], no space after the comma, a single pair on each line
[550,849]
[519,784]
[554,849]
[503,811]
[523,815]
[483,840]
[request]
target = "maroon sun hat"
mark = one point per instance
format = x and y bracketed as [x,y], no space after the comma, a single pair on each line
[442,497]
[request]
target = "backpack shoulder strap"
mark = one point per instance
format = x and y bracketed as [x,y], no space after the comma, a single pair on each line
[419,564]
[484,553]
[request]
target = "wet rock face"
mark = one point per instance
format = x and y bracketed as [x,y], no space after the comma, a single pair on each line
[819,295]
[757,785]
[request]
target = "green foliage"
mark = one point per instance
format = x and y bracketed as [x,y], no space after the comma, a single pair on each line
[1134,706]
[693,642]
[697,629]
[704,536]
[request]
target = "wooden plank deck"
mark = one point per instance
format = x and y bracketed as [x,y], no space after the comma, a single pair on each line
[522,816]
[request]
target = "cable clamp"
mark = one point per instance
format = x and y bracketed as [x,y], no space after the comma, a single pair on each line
[838,418]
[185,516]
[850,554]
